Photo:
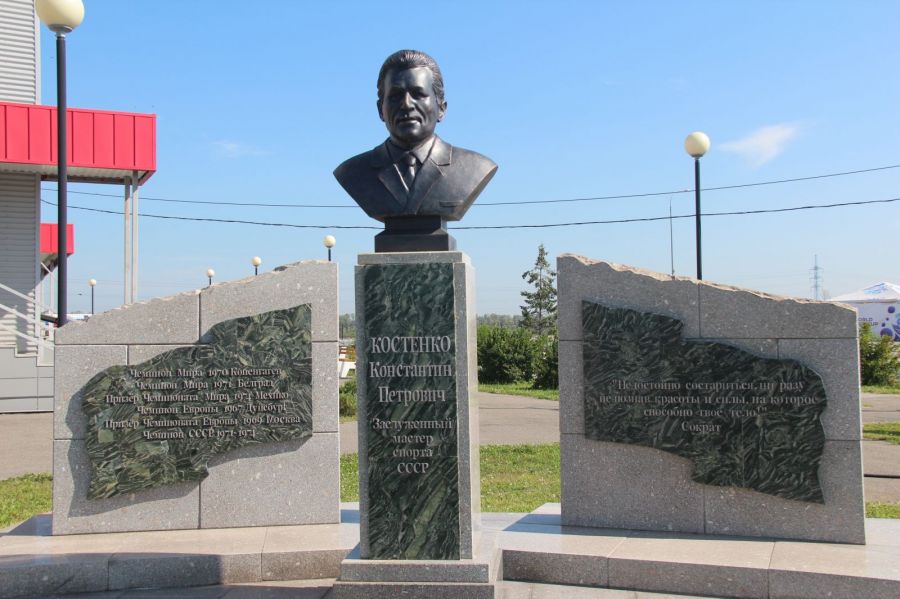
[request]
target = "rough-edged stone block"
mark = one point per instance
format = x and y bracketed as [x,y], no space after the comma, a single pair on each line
[36,576]
[295,482]
[557,556]
[813,571]
[571,388]
[325,387]
[75,366]
[837,362]
[136,570]
[726,568]
[170,507]
[733,511]
[307,552]
[623,486]
[408,590]
[731,312]
[173,319]
[138,354]
[621,286]
[313,282]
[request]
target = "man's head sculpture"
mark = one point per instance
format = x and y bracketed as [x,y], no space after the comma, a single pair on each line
[414,181]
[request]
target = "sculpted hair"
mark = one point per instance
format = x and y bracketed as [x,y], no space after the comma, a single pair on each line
[410,59]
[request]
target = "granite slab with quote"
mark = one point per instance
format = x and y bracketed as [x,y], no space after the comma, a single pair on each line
[159,422]
[692,406]
[217,421]
[742,420]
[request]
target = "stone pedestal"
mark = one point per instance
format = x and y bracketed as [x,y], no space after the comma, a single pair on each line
[418,423]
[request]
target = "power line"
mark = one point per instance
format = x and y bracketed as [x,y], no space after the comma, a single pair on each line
[218,220]
[539,226]
[523,202]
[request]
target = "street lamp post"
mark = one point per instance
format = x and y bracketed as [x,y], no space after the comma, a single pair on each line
[697,144]
[210,273]
[256,261]
[92,283]
[61,17]
[329,242]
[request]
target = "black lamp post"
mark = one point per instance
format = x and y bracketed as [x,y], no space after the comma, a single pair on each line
[329,242]
[61,17]
[210,273]
[256,261]
[697,144]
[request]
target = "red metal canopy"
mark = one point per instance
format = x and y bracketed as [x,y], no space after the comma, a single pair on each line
[103,146]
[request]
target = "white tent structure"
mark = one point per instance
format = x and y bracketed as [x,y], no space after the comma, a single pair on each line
[879,305]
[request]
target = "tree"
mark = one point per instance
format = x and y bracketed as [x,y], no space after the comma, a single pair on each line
[539,309]
[879,357]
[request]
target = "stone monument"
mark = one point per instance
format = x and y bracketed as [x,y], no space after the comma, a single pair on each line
[415,307]
[209,409]
[694,407]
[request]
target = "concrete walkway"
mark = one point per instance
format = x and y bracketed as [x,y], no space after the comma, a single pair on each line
[26,439]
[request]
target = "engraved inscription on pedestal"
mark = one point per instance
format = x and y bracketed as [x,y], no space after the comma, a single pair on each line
[161,421]
[409,350]
[742,420]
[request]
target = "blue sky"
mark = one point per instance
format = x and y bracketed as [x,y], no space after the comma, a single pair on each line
[258,102]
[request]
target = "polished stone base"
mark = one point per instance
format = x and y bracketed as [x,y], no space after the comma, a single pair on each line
[465,578]
[414,234]
[530,547]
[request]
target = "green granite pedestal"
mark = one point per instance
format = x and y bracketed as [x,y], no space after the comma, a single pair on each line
[418,429]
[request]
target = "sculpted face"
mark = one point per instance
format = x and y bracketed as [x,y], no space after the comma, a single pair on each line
[410,110]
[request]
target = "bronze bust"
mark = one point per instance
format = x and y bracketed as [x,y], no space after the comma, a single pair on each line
[414,181]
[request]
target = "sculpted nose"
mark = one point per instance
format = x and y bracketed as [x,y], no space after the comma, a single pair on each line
[407,101]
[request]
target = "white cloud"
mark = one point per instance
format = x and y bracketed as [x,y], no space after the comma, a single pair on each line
[235,149]
[764,144]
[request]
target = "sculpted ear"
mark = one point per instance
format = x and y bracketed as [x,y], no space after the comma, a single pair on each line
[441,110]
[378,106]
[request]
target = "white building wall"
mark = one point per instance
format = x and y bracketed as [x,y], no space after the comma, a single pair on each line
[24,386]
[19,52]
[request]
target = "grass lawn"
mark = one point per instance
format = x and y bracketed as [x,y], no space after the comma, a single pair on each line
[875,509]
[520,388]
[883,389]
[24,496]
[883,431]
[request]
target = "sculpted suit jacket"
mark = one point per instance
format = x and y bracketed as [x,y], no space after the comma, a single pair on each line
[446,183]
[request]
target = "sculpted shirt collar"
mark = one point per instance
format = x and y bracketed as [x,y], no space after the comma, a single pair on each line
[421,151]
[440,153]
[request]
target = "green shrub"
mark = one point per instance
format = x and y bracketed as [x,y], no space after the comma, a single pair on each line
[545,366]
[879,357]
[347,398]
[504,355]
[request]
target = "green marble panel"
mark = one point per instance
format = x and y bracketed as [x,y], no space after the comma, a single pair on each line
[159,422]
[411,411]
[742,420]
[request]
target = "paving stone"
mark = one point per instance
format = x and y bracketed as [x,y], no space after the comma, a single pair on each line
[35,575]
[695,565]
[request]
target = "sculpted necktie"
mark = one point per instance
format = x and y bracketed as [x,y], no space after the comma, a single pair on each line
[409,169]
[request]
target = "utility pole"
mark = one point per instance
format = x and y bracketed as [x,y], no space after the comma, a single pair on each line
[816,278]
